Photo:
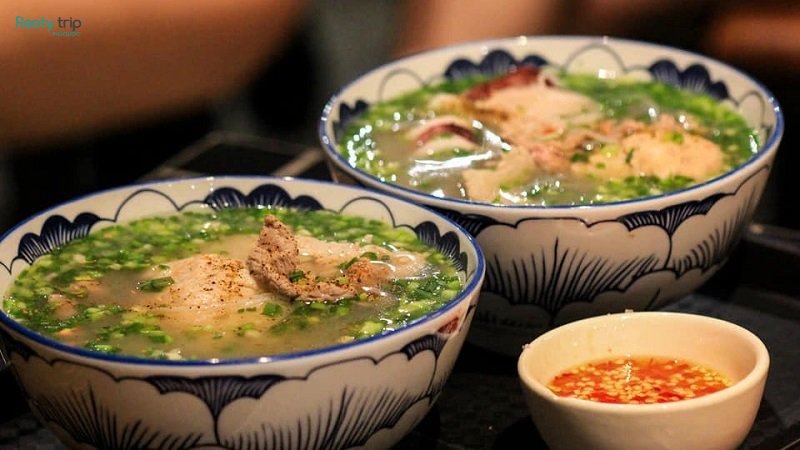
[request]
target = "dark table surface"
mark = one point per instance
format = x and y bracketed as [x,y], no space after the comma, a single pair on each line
[481,406]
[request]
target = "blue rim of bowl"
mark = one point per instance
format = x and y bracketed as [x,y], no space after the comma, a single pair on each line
[469,289]
[330,147]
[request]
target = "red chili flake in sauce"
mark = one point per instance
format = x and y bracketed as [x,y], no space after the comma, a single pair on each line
[638,380]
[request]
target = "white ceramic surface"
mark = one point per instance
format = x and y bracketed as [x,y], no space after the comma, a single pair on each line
[346,396]
[717,421]
[547,266]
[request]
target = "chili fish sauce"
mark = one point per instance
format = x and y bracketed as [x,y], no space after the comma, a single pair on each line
[638,380]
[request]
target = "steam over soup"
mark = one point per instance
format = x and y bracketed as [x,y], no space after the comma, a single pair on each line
[544,138]
[233,283]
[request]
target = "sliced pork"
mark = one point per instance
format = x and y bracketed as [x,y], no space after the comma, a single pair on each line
[305,268]
[205,282]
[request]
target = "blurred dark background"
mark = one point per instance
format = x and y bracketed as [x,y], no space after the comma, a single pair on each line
[328,45]
[333,42]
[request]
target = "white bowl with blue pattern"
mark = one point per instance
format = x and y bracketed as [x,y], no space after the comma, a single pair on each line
[365,394]
[548,266]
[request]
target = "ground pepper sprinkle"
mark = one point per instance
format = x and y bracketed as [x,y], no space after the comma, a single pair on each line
[638,380]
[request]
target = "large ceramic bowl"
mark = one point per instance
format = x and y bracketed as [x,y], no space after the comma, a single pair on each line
[363,394]
[547,266]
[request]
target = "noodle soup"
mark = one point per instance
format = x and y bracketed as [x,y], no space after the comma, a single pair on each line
[541,137]
[235,283]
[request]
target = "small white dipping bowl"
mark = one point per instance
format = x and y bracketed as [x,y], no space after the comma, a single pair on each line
[720,420]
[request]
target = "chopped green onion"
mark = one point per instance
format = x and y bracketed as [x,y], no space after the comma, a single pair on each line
[271,310]
[296,276]
[155,284]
